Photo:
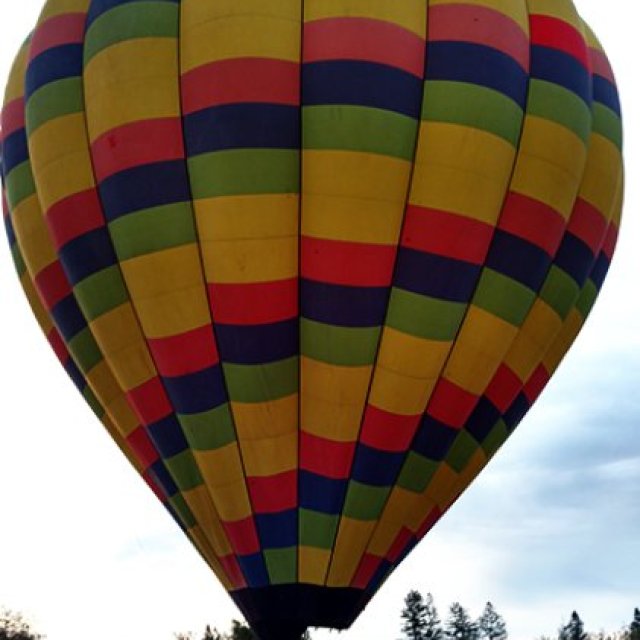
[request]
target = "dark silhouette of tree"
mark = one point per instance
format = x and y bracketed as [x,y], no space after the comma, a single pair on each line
[414,616]
[491,624]
[240,631]
[434,629]
[632,632]
[573,630]
[14,627]
[459,625]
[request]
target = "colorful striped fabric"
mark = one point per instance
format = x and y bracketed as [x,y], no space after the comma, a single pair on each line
[310,261]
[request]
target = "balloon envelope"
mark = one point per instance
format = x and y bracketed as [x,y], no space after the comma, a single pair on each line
[310,262]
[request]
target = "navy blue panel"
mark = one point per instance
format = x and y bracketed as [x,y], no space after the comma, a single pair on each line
[14,150]
[11,234]
[408,548]
[54,64]
[68,317]
[174,515]
[575,258]
[368,84]
[518,259]
[343,305]
[158,472]
[435,276]
[321,494]
[434,439]
[477,64]
[98,7]
[599,271]
[75,374]
[378,577]
[87,254]
[516,411]
[242,126]
[143,187]
[278,530]
[254,570]
[561,69]
[167,436]
[606,93]
[197,392]
[482,419]
[257,344]
[375,467]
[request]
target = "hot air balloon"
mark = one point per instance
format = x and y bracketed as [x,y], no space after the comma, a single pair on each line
[310,262]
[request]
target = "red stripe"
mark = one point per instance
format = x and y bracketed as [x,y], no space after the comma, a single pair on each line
[326,457]
[536,383]
[364,39]
[450,404]
[185,353]
[610,241]
[399,545]
[137,143]
[233,571]
[503,388]
[58,345]
[241,80]
[366,570]
[74,216]
[53,285]
[588,224]
[558,34]
[427,524]
[142,446]
[480,25]
[601,65]
[150,401]
[157,490]
[67,28]
[254,303]
[533,221]
[388,431]
[12,117]
[243,536]
[271,494]
[446,234]
[347,263]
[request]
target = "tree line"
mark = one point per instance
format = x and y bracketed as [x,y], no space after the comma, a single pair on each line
[420,621]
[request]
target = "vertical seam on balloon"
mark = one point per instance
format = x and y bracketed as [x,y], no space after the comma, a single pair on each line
[208,295]
[130,300]
[390,288]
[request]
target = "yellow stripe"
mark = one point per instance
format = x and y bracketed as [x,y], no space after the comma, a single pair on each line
[32,235]
[514,9]
[58,7]
[561,9]
[15,83]
[312,564]
[351,543]
[271,455]
[603,173]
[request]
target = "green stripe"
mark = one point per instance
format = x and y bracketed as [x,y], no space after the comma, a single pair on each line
[557,104]
[181,508]
[54,100]
[342,346]
[423,316]
[503,297]
[587,299]
[93,402]
[317,529]
[607,123]
[184,470]
[209,429]
[559,291]
[463,447]
[85,351]
[363,129]
[245,171]
[282,564]
[417,472]
[263,382]
[18,260]
[19,184]
[153,229]
[474,106]
[364,501]
[130,21]
[496,438]
[101,292]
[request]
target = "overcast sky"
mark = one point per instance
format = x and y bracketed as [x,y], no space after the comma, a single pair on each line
[552,525]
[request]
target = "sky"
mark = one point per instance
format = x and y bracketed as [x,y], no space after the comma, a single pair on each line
[552,525]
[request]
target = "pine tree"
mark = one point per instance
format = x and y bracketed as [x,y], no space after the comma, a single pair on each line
[433,630]
[459,625]
[414,616]
[634,627]
[573,630]
[491,624]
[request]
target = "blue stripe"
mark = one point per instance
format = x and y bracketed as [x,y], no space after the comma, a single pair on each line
[11,234]
[257,344]
[87,254]
[477,64]
[167,436]
[600,269]
[278,530]
[254,570]
[561,69]
[14,150]
[375,467]
[197,392]
[98,7]
[53,64]
[143,187]
[435,276]
[319,493]
[482,419]
[379,576]
[575,258]
[68,317]
[434,439]
[159,473]
[342,305]
[606,93]
[518,259]
[75,374]
[516,411]
[242,126]
[367,84]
